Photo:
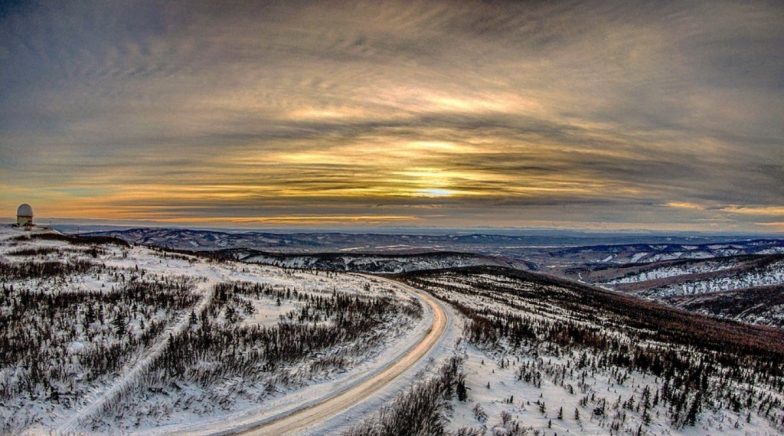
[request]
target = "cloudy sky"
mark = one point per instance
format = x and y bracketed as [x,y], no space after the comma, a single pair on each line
[588,115]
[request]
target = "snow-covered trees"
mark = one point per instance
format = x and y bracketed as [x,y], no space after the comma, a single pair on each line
[690,363]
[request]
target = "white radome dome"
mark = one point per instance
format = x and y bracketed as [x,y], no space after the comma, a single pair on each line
[24,210]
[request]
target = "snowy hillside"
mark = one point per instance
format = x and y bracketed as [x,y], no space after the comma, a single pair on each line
[768,272]
[99,336]
[372,263]
[552,357]
[626,254]
[759,305]
[751,282]
[663,271]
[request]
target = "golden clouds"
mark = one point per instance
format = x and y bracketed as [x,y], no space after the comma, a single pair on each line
[774,211]
[685,205]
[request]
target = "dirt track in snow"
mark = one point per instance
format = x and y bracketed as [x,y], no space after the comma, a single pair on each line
[129,375]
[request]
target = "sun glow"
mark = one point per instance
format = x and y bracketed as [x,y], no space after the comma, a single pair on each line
[436,192]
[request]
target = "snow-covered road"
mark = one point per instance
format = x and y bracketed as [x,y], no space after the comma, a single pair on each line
[301,417]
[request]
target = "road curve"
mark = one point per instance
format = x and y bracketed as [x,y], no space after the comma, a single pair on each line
[301,419]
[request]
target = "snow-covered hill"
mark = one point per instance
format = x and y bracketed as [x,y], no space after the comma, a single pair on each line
[628,254]
[96,335]
[372,263]
[724,280]
[753,282]
[758,305]
[545,356]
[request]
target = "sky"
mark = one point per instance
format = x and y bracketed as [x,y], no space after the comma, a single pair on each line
[661,116]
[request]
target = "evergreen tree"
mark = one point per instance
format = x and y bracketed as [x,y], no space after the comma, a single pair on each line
[119,323]
[462,392]
[89,316]
[691,416]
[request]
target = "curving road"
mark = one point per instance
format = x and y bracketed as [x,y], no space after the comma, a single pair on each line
[301,419]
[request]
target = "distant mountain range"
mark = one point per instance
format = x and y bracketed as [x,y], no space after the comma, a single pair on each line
[696,273]
[572,243]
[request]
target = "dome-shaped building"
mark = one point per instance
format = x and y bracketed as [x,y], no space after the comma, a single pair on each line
[24,215]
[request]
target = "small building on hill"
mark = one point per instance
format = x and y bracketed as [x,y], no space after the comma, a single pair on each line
[24,215]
